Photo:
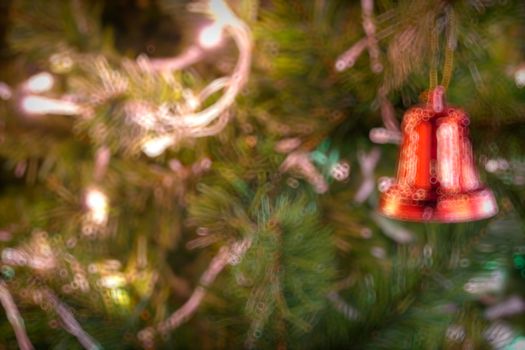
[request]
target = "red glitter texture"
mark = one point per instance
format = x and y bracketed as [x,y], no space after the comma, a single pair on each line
[437,179]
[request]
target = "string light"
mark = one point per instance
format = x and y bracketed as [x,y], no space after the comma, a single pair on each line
[113,281]
[39,83]
[97,204]
[519,76]
[156,146]
[34,104]
[211,36]
[200,124]
[39,105]
[183,119]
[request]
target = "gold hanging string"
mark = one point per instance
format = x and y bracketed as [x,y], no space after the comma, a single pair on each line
[450,46]
[434,39]
[451,43]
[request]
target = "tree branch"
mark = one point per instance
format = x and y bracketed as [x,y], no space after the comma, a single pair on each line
[225,255]
[13,315]
[70,323]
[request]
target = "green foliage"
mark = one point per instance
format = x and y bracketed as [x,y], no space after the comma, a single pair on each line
[321,271]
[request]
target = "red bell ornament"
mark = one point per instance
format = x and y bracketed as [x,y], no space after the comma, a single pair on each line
[437,179]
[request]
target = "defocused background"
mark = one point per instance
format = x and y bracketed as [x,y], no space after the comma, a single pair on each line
[206,174]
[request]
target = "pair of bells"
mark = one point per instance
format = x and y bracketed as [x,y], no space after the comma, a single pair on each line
[436,178]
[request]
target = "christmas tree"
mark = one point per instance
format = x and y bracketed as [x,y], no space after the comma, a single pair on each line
[207,174]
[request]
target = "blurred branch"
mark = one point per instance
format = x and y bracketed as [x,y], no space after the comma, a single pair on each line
[367,162]
[393,230]
[102,158]
[384,135]
[342,306]
[509,307]
[69,321]
[370,30]
[300,161]
[5,91]
[13,315]
[226,255]
[347,59]
[388,114]
[191,56]
[179,285]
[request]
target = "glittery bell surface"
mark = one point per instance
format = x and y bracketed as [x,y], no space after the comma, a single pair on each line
[437,179]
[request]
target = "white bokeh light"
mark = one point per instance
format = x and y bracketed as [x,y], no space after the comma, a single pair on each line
[211,36]
[97,204]
[39,83]
[519,77]
[156,146]
[39,105]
